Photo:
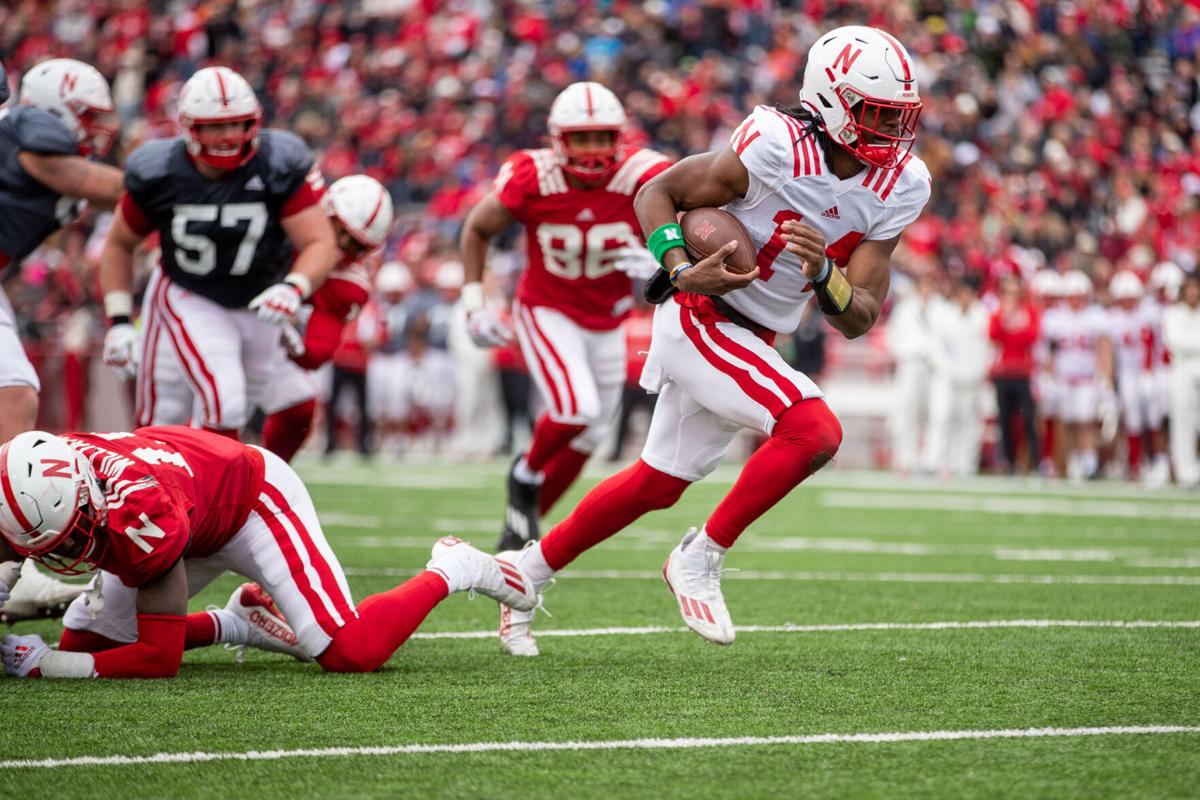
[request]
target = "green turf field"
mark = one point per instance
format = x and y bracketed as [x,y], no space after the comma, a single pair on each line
[842,581]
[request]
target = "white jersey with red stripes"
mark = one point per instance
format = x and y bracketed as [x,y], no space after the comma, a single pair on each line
[1074,336]
[791,181]
[1137,339]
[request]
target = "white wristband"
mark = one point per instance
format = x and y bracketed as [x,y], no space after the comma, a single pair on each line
[472,295]
[118,304]
[302,283]
[57,664]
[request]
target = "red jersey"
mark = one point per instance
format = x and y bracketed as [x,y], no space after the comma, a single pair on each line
[573,235]
[172,492]
[338,301]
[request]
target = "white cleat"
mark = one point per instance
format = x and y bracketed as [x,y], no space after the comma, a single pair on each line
[38,596]
[266,629]
[694,577]
[497,577]
[516,633]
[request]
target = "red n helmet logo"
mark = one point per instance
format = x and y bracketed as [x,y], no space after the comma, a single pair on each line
[68,83]
[55,468]
[846,58]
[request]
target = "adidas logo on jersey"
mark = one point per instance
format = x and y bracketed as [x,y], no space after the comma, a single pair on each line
[831,213]
[255,184]
[585,216]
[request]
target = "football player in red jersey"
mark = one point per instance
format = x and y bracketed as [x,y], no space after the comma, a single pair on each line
[836,170]
[360,209]
[575,201]
[163,512]
[231,203]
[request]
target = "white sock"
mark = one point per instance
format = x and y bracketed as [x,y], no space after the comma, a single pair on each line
[524,474]
[1090,462]
[533,564]
[454,571]
[702,543]
[231,629]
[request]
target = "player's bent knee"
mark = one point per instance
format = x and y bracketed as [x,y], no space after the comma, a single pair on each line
[812,425]
[351,652]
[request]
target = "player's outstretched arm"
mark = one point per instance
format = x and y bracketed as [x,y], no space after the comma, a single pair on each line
[74,176]
[851,301]
[709,179]
[157,653]
[485,222]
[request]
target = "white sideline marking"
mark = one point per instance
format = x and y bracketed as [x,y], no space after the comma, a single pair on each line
[618,744]
[835,628]
[1126,509]
[849,577]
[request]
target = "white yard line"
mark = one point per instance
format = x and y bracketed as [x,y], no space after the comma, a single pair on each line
[850,577]
[618,744]
[836,628]
[1037,506]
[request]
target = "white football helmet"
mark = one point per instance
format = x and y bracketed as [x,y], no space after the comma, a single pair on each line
[862,85]
[1047,284]
[1167,278]
[393,277]
[363,207]
[586,106]
[1076,283]
[217,95]
[51,503]
[77,94]
[1126,285]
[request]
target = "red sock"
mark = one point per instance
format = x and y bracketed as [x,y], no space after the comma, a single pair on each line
[806,437]
[285,431]
[608,508]
[561,472]
[228,433]
[74,641]
[549,437]
[201,630]
[1047,439]
[1135,454]
[385,621]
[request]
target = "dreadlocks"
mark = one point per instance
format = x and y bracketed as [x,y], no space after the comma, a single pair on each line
[811,125]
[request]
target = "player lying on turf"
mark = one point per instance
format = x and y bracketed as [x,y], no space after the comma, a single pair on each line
[820,189]
[166,510]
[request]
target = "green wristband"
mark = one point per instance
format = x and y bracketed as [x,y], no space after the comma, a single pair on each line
[665,237]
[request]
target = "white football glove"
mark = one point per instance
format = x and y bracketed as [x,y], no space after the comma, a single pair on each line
[486,330]
[123,349]
[277,304]
[293,341]
[22,654]
[637,262]
[10,571]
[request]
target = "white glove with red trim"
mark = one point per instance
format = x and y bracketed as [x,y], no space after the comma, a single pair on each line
[486,329]
[123,349]
[277,304]
[22,654]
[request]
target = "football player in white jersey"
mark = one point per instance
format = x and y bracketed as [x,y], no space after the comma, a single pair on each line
[825,191]
[1075,343]
[1135,332]
[1047,289]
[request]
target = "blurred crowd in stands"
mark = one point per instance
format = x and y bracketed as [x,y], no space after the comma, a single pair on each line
[1061,136]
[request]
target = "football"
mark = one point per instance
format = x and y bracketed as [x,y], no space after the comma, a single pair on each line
[706,229]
